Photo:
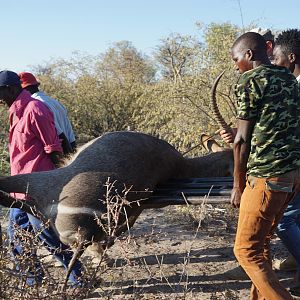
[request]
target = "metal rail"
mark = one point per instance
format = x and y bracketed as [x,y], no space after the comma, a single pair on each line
[193,191]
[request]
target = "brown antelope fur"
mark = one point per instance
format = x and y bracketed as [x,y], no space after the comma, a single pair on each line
[70,197]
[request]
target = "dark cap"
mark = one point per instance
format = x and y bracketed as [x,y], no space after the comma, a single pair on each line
[8,78]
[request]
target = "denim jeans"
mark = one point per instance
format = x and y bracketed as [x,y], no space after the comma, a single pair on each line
[263,203]
[288,229]
[48,238]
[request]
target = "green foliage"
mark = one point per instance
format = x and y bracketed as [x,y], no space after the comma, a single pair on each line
[123,64]
[218,41]
[166,95]
[176,55]
[178,108]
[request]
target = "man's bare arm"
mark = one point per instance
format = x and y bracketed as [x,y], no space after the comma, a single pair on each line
[241,150]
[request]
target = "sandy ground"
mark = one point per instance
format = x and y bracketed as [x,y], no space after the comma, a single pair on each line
[168,258]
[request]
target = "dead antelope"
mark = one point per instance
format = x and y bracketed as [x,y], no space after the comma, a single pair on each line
[73,197]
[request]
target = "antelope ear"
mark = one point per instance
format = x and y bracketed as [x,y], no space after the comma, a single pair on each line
[210,144]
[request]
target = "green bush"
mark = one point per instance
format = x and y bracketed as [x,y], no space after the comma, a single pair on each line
[166,95]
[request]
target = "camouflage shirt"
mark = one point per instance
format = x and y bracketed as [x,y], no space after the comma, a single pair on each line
[270,95]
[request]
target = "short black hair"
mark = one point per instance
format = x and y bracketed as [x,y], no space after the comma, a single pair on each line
[289,41]
[251,40]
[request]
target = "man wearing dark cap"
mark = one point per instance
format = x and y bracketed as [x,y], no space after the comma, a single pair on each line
[61,120]
[33,146]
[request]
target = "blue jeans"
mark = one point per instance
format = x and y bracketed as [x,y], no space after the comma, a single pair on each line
[288,229]
[48,238]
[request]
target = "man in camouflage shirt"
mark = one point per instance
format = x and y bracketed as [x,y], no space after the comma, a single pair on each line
[266,159]
[268,94]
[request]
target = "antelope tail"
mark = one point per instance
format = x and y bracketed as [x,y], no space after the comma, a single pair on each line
[11,202]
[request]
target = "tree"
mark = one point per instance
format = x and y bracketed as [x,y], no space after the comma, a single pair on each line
[119,89]
[175,55]
[124,64]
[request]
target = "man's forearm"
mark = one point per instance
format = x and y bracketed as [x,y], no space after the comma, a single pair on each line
[241,151]
[241,154]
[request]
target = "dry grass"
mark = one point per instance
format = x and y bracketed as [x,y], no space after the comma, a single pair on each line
[171,253]
[13,280]
[108,275]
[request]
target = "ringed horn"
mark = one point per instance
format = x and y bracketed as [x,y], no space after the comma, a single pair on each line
[216,110]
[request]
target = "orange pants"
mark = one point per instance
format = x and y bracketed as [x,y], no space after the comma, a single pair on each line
[262,205]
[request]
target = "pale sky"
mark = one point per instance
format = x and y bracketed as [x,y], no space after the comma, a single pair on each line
[36,31]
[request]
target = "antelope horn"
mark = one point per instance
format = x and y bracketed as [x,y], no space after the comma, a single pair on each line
[216,110]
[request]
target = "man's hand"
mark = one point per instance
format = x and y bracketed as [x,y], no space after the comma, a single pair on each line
[57,159]
[228,136]
[236,195]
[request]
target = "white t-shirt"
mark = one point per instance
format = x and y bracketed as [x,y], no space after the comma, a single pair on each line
[61,120]
[298,78]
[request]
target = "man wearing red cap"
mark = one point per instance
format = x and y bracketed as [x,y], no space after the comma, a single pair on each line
[61,120]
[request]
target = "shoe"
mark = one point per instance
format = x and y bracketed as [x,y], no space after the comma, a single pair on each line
[236,273]
[287,264]
[295,290]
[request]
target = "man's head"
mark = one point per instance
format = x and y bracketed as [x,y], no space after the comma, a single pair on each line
[269,38]
[10,86]
[29,82]
[287,50]
[248,51]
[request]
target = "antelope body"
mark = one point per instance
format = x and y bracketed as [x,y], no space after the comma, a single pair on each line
[73,196]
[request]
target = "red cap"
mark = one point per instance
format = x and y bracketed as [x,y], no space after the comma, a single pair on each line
[27,79]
